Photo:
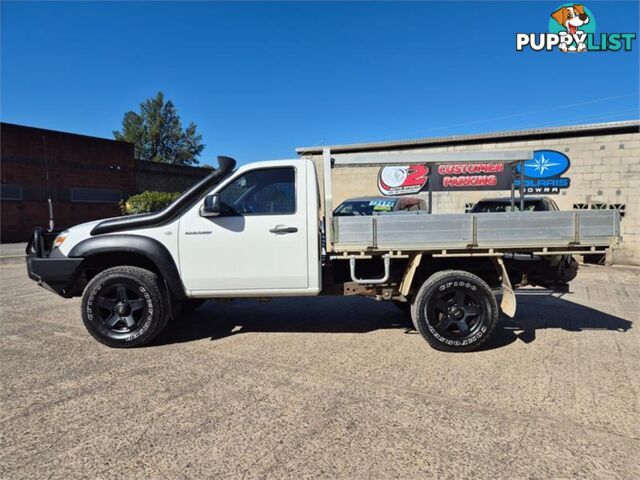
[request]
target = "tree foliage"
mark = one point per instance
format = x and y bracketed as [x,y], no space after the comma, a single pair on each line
[147,202]
[157,133]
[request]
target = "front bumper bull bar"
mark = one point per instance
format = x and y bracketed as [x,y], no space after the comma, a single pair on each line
[50,268]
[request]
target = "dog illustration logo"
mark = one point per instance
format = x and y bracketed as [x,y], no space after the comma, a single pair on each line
[572,28]
[572,18]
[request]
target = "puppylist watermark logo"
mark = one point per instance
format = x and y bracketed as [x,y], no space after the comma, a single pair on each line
[572,28]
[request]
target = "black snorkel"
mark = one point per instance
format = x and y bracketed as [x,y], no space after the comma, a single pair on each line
[175,209]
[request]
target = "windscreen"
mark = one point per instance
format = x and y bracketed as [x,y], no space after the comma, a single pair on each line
[490,207]
[364,207]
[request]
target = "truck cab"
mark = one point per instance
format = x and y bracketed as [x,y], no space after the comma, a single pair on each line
[258,231]
[253,234]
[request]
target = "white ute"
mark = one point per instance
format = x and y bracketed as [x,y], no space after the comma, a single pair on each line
[258,231]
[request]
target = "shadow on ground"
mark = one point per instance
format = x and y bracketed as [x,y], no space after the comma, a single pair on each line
[537,309]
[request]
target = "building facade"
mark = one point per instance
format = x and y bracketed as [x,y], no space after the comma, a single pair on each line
[602,171]
[85,177]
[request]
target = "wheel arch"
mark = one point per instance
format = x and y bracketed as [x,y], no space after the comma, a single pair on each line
[424,266]
[105,251]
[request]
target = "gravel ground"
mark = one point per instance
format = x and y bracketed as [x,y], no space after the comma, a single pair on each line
[324,387]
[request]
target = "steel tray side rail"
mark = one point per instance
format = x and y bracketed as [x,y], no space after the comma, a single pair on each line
[570,230]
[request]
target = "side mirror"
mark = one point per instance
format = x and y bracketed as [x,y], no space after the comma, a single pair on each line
[211,206]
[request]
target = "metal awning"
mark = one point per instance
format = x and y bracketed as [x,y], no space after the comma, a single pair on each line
[571,131]
[413,158]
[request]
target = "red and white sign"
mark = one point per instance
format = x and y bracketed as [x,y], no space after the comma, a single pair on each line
[402,180]
[471,176]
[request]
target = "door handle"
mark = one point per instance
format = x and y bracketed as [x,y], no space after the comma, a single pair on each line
[283,229]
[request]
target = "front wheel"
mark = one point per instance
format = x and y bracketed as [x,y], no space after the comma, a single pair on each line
[455,311]
[124,307]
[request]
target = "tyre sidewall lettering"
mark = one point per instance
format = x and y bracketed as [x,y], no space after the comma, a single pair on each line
[148,321]
[91,300]
[457,283]
[458,343]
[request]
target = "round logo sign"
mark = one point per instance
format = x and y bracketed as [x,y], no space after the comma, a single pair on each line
[546,164]
[402,180]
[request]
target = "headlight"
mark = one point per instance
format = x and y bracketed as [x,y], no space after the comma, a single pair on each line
[60,239]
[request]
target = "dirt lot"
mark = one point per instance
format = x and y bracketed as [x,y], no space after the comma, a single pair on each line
[325,387]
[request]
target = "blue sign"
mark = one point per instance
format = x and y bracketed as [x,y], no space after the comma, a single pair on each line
[543,172]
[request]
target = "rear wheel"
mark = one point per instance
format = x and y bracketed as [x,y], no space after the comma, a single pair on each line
[455,311]
[123,307]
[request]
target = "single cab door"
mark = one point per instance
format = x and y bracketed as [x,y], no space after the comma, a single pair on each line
[259,243]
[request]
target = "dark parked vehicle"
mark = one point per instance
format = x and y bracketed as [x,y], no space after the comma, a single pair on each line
[375,205]
[503,204]
[566,265]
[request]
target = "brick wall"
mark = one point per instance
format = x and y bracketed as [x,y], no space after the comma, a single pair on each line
[604,169]
[163,177]
[74,161]
[92,164]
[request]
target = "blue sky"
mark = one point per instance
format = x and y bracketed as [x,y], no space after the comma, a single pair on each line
[260,79]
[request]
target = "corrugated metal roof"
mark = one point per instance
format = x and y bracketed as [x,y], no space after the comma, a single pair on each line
[607,128]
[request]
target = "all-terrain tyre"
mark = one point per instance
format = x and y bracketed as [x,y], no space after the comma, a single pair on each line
[123,307]
[455,311]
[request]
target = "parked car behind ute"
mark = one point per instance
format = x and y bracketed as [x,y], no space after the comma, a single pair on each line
[503,204]
[377,205]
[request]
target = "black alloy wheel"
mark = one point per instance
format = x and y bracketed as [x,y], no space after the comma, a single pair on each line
[454,313]
[120,307]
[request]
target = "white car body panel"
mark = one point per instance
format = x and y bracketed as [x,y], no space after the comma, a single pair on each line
[167,235]
[238,256]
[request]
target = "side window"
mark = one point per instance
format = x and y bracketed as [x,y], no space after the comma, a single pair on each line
[268,191]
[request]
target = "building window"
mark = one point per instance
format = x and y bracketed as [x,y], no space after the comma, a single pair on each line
[10,192]
[621,207]
[95,195]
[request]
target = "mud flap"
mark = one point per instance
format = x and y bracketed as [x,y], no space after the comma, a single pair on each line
[407,278]
[508,304]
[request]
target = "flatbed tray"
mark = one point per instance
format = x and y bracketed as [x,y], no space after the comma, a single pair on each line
[420,231]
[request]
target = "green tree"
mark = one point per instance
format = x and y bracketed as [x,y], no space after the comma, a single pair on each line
[157,133]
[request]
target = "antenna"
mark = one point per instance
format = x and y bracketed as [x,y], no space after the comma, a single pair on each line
[46,169]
